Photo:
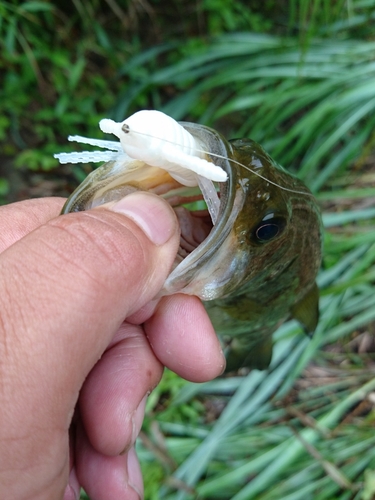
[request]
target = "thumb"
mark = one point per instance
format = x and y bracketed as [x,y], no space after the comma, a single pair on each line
[66,288]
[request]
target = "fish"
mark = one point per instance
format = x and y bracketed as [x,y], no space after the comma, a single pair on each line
[251,253]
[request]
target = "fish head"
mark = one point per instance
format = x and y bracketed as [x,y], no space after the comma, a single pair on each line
[278,229]
[278,237]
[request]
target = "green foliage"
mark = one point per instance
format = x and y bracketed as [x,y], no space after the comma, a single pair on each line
[4,187]
[369,486]
[232,15]
[313,110]
[65,66]
[297,76]
[57,65]
[309,16]
[36,160]
[159,402]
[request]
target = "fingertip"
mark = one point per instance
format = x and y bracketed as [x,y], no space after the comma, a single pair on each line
[151,213]
[105,477]
[135,479]
[183,338]
[72,491]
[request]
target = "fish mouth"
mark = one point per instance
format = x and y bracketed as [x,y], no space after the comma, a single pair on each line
[207,254]
[199,209]
[208,263]
[195,226]
[207,257]
[195,220]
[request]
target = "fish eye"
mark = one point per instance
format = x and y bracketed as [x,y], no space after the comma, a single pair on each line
[268,228]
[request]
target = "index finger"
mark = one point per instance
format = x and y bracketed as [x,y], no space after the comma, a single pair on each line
[20,218]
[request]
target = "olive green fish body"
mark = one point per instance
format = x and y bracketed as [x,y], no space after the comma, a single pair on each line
[280,231]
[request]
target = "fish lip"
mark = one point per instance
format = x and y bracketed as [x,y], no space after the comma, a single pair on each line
[182,277]
[192,274]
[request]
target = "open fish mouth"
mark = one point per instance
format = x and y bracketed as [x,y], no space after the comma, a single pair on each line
[195,227]
[190,205]
[197,210]
[206,209]
[205,242]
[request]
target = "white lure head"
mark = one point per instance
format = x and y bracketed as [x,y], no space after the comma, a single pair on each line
[144,134]
[144,127]
[109,126]
[154,137]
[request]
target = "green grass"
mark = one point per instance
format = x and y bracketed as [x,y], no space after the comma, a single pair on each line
[298,77]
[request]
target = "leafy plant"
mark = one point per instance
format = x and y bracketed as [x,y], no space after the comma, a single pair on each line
[299,78]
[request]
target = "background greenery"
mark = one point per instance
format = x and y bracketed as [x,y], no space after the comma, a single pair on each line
[297,76]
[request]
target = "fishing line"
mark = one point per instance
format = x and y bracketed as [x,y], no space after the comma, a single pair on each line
[129,130]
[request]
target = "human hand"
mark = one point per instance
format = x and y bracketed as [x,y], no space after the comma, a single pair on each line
[69,363]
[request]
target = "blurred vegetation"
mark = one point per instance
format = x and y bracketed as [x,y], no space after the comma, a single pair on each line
[297,76]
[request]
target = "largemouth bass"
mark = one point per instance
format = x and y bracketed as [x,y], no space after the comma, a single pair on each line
[252,257]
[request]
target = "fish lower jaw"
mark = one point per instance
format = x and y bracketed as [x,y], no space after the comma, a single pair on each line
[210,272]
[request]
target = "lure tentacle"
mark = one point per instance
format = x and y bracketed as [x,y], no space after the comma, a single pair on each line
[87,156]
[113,145]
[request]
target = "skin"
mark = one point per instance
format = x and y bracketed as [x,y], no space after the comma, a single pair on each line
[83,341]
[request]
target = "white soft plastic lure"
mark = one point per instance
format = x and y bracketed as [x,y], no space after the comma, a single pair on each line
[155,139]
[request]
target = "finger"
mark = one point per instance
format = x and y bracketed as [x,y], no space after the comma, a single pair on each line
[181,323]
[72,490]
[19,219]
[66,288]
[113,398]
[73,487]
[105,478]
